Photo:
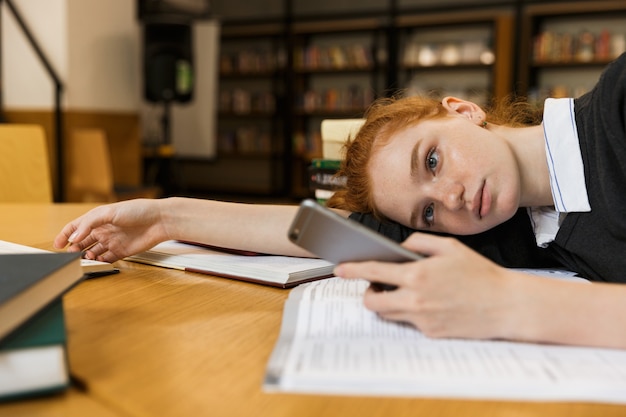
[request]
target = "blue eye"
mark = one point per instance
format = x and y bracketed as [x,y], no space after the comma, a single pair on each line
[432,159]
[429,214]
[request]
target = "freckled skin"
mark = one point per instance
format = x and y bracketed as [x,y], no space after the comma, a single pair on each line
[470,159]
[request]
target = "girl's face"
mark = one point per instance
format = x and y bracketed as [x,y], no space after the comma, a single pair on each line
[446,175]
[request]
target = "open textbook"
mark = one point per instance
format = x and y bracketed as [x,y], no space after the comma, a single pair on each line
[278,271]
[90,267]
[330,344]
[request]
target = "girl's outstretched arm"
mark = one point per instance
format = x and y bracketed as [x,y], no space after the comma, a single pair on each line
[114,231]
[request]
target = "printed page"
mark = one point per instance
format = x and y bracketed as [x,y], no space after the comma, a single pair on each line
[87,264]
[10,247]
[331,344]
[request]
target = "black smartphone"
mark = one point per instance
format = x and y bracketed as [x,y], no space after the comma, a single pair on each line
[337,239]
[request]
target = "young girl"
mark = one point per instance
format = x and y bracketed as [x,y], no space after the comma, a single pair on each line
[550,194]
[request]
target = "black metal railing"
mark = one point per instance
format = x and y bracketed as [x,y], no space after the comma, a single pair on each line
[58,90]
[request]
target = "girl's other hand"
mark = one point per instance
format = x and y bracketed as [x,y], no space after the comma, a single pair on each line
[454,292]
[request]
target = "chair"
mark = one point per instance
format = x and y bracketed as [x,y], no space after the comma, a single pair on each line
[90,177]
[24,166]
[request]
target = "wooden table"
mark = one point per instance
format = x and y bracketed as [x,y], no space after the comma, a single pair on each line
[157,342]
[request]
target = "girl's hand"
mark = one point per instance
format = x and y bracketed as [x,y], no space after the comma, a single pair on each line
[455,292]
[114,231]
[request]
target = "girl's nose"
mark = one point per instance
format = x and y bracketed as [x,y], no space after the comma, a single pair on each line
[452,195]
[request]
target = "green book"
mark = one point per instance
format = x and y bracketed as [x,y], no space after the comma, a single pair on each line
[333,164]
[33,358]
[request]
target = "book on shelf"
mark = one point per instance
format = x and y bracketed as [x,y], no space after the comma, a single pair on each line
[326,179]
[326,163]
[33,357]
[31,281]
[273,270]
[322,196]
[329,343]
[323,178]
[91,268]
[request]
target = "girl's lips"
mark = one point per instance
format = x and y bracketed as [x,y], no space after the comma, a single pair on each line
[481,202]
[485,201]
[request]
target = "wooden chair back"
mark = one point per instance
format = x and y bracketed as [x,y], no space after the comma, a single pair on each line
[91,176]
[25,175]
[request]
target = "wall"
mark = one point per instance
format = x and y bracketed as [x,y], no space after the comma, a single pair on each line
[92,45]
[25,82]
[104,56]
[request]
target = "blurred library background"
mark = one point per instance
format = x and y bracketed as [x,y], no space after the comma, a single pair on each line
[226,99]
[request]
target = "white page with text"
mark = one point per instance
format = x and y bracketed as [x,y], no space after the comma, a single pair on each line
[329,343]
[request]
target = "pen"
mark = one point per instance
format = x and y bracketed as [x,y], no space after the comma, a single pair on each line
[98,274]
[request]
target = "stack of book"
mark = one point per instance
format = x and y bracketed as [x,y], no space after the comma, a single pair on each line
[32,330]
[323,178]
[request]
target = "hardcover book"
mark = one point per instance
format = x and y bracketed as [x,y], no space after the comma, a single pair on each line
[90,267]
[33,358]
[31,281]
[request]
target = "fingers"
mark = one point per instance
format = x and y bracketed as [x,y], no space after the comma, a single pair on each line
[63,238]
[93,251]
[405,306]
[384,272]
[96,252]
[78,233]
[386,302]
[73,233]
[75,241]
[429,244]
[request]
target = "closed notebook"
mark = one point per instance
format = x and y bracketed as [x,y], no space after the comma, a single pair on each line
[33,358]
[278,271]
[31,281]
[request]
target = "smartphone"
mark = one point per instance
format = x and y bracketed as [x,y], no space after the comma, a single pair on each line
[337,239]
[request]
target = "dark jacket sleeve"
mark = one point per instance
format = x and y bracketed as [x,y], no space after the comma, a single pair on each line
[510,244]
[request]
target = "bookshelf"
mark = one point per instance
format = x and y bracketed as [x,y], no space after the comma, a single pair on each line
[338,71]
[283,72]
[251,136]
[251,91]
[565,46]
[466,54]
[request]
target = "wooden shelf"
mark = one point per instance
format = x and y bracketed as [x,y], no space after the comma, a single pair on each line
[347,113]
[251,74]
[334,71]
[465,17]
[250,30]
[441,67]
[248,115]
[337,25]
[574,7]
[572,64]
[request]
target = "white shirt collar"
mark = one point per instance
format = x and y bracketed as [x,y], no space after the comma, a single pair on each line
[567,175]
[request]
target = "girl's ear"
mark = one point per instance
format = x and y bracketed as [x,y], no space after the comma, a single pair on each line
[468,109]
